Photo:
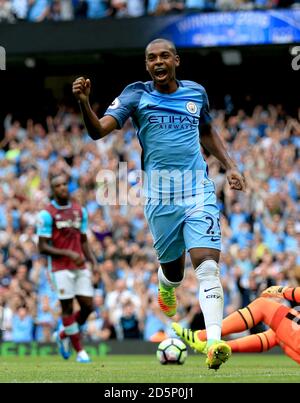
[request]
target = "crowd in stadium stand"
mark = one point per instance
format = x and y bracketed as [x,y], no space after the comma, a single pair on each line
[63,10]
[261,228]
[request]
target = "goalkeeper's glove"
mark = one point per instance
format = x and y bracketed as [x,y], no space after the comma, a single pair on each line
[276,291]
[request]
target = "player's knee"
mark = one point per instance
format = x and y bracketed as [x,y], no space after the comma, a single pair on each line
[175,277]
[174,274]
[201,255]
[207,269]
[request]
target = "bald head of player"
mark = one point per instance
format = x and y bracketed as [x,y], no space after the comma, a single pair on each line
[161,63]
[59,187]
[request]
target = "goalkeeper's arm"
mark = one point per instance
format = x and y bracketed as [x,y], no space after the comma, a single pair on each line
[289,293]
[292,294]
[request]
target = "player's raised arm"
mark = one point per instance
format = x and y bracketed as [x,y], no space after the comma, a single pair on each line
[97,128]
[212,142]
[276,291]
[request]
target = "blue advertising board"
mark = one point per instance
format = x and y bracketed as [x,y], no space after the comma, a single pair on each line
[234,28]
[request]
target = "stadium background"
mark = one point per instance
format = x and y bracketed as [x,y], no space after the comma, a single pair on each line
[253,92]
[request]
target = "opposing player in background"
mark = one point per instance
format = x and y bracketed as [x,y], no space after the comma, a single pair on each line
[284,325]
[181,208]
[62,228]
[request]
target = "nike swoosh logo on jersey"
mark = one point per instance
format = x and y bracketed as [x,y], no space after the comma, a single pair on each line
[209,289]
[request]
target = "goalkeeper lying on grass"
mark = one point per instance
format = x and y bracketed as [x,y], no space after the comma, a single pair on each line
[283,321]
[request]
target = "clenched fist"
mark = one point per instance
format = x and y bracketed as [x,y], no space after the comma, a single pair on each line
[76,257]
[81,89]
[236,180]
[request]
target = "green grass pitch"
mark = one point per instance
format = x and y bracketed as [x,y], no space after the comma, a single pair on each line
[146,369]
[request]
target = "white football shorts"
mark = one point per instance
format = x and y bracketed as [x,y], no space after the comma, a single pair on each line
[69,283]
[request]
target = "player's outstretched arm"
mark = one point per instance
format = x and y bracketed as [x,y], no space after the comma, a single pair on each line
[97,128]
[278,291]
[212,142]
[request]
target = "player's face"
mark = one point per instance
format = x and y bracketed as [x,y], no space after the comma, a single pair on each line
[161,63]
[60,188]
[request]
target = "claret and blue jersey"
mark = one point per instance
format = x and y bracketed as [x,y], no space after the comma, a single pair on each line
[63,225]
[168,130]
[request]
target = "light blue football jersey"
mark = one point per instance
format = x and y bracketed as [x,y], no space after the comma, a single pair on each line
[167,126]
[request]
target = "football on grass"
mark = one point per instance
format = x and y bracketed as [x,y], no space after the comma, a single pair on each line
[171,351]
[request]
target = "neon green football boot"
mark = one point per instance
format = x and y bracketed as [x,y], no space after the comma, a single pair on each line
[217,352]
[190,337]
[167,300]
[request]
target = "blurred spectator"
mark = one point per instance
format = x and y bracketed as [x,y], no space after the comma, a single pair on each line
[129,322]
[195,6]
[12,11]
[80,9]
[99,326]
[119,8]
[20,8]
[38,10]
[98,9]
[153,320]
[66,10]
[45,321]
[6,11]
[22,326]
[169,7]
[136,8]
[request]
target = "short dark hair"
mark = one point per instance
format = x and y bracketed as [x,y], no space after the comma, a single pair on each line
[55,176]
[159,40]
